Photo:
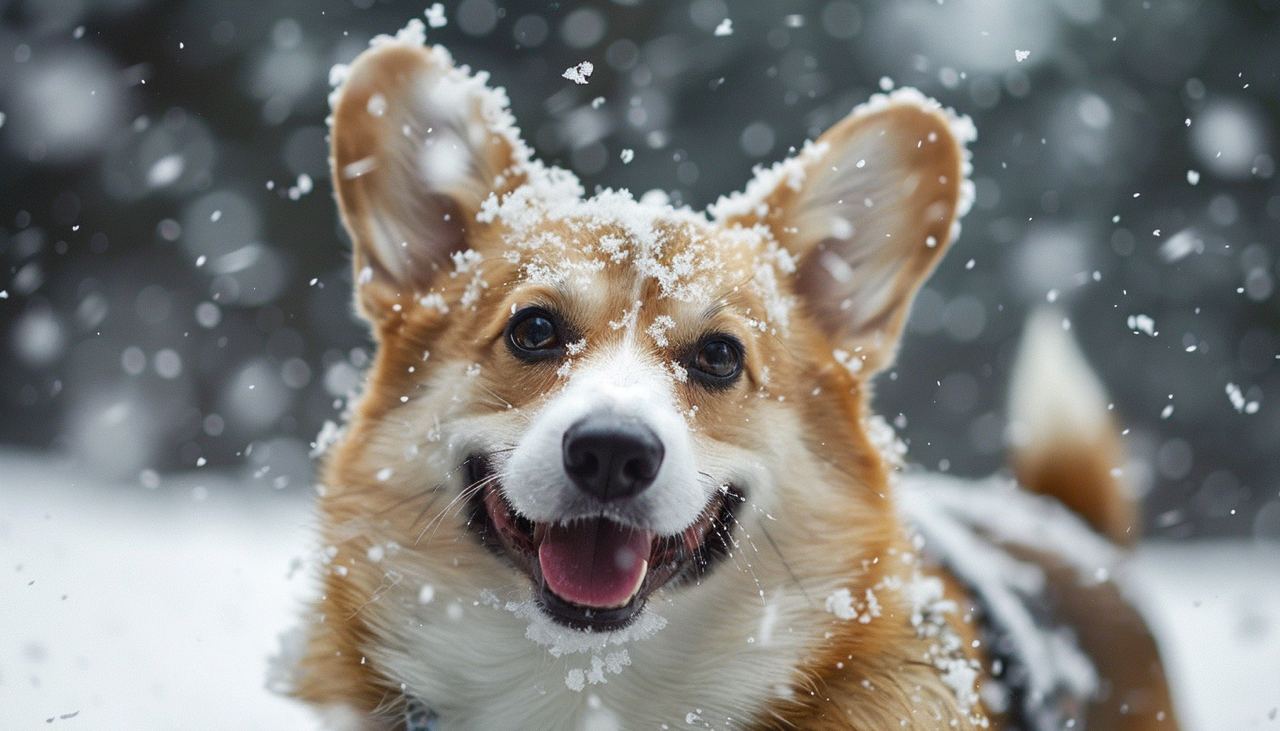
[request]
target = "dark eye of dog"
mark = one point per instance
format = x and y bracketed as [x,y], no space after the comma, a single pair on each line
[533,334]
[717,361]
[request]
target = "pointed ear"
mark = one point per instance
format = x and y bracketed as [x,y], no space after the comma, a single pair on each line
[867,211]
[417,145]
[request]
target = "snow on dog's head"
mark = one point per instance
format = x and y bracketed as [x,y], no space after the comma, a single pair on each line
[598,399]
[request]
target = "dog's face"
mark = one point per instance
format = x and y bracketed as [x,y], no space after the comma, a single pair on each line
[597,400]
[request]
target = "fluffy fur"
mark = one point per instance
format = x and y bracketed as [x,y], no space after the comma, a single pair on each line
[812,268]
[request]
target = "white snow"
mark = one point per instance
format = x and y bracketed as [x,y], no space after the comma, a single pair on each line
[949,513]
[330,433]
[1238,401]
[598,671]
[840,603]
[435,16]
[360,167]
[303,186]
[561,641]
[1229,134]
[426,594]
[144,609]
[792,170]
[173,606]
[658,329]
[1180,245]
[725,28]
[166,170]
[1215,606]
[611,226]
[580,73]
[1143,324]
[1020,56]
[576,347]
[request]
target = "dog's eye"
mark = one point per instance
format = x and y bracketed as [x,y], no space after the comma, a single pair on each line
[533,333]
[718,361]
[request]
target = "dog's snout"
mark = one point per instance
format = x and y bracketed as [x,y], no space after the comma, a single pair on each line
[610,456]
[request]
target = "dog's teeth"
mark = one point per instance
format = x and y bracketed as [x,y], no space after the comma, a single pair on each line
[640,577]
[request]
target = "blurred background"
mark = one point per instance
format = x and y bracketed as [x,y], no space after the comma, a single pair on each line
[174,284]
[176,328]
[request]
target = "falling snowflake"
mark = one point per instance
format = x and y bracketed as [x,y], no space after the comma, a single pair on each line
[303,186]
[1143,324]
[166,170]
[580,73]
[435,16]
[1238,401]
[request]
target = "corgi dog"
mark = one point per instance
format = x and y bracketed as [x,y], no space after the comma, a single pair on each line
[614,464]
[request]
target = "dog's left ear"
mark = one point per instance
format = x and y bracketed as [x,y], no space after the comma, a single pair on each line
[867,211]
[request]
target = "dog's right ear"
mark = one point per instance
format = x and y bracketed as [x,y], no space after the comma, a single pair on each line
[417,146]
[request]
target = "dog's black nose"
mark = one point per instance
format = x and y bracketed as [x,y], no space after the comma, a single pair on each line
[610,456]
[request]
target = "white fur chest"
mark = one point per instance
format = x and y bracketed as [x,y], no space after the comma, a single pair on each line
[687,662]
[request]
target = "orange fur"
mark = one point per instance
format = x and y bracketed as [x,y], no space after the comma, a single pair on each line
[1065,440]
[800,409]
[1082,476]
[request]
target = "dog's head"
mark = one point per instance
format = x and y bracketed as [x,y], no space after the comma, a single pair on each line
[598,398]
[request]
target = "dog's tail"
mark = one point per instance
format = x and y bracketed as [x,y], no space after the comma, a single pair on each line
[1064,441]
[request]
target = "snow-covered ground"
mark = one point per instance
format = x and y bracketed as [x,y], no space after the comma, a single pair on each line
[143,609]
[135,608]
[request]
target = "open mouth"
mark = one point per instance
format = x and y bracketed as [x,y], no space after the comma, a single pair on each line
[596,573]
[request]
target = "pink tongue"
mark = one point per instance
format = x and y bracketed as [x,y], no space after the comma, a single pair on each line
[597,563]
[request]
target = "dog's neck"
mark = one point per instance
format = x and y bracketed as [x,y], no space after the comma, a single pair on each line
[720,660]
[727,656]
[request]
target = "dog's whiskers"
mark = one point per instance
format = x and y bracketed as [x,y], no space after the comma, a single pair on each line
[431,490]
[465,494]
[498,400]
[378,592]
[786,565]
[750,542]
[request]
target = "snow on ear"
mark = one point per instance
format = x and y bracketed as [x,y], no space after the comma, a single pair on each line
[417,145]
[867,211]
